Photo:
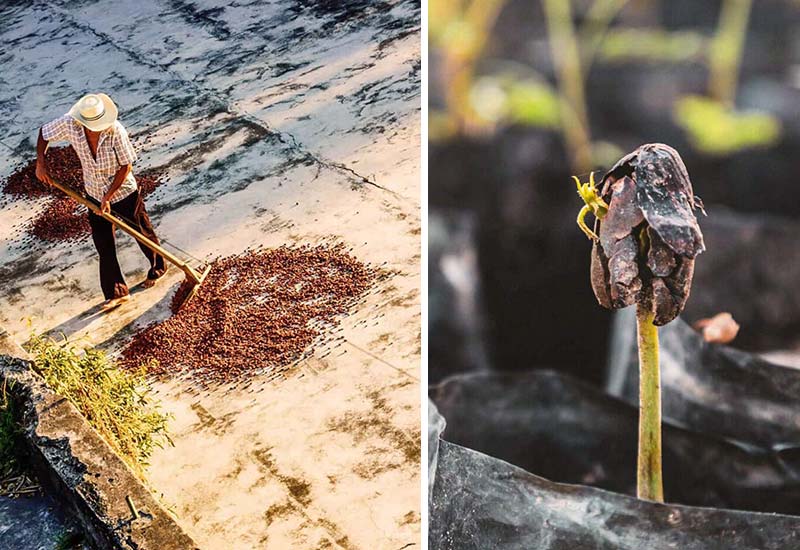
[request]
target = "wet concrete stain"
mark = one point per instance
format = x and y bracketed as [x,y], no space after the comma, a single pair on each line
[298,488]
[237,56]
[277,511]
[369,15]
[299,502]
[26,267]
[205,18]
[377,423]
[208,421]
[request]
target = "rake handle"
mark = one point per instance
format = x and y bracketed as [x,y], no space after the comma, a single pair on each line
[155,247]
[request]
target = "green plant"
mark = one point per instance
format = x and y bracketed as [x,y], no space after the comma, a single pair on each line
[712,123]
[113,400]
[717,129]
[565,52]
[14,479]
[507,98]
[725,55]
[532,102]
[69,539]
[643,253]
[652,45]
[9,431]
[462,28]
[649,477]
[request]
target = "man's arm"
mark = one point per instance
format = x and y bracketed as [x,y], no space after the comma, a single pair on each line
[55,130]
[119,179]
[126,155]
[41,168]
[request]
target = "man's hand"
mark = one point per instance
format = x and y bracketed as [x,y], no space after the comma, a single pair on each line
[41,173]
[119,179]
[41,168]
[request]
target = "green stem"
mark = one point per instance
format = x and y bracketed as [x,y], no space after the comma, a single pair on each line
[649,479]
[594,30]
[572,97]
[480,17]
[726,50]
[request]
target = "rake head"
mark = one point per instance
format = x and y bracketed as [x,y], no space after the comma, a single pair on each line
[194,280]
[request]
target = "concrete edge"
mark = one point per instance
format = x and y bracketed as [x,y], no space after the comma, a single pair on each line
[79,468]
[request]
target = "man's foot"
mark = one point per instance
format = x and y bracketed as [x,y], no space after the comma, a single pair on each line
[108,305]
[151,281]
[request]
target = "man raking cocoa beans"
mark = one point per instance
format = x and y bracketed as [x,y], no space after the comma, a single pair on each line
[107,158]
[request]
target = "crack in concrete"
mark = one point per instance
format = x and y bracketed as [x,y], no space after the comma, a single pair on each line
[4,144]
[216,96]
[378,358]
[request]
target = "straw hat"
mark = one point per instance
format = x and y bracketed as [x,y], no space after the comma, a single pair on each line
[95,111]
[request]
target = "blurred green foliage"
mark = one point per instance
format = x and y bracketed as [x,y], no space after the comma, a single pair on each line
[479,98]
[510,100]
[533,103]
[655,45]
[716,129]
[459,37]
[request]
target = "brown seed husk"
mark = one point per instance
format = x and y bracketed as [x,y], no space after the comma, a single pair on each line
[258,311]
[650,237]
[664,195]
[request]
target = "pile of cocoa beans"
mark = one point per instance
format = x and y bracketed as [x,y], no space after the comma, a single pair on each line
[255,312]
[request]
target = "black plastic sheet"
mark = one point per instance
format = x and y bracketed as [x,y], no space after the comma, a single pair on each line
[436,426]
[751,269]
[712,388]
[568,431]
[456,321]
[481,503]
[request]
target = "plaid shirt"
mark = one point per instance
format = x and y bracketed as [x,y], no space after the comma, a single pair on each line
[114,149]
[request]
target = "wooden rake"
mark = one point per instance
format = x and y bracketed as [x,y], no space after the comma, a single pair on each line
[194,277]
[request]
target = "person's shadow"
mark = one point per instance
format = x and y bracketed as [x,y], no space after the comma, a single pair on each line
[74,325]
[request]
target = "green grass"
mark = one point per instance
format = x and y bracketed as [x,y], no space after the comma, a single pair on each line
[113,400]
[69,540]
[15,479]
[9,430]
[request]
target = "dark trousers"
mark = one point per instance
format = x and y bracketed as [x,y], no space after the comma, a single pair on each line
[131,210]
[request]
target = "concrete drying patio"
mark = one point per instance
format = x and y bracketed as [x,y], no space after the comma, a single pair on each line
[277,123]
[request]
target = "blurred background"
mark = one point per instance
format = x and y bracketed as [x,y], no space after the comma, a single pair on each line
[526,93]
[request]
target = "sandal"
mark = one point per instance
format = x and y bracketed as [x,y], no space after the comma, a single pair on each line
[150,282]
[113,303]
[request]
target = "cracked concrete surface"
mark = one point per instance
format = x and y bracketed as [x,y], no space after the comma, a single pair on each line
[276,122]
